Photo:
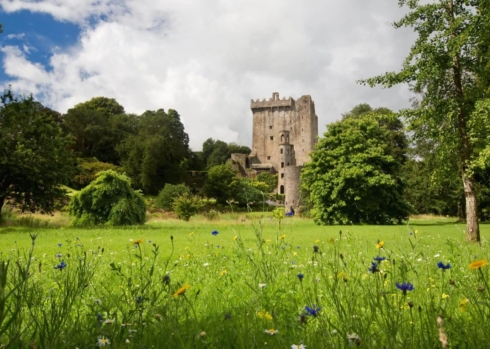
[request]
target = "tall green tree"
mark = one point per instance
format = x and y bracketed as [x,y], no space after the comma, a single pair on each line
[354,173]
[216,152]
[34,155]
[157,153]
[448,67]
[221,183]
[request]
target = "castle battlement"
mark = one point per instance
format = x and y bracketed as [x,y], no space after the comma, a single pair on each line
[274,101]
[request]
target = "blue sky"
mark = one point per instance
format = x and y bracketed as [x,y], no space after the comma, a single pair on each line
[206,59]
[38,34]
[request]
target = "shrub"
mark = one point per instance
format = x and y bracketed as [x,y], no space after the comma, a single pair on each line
[109,200]
[211,215]
[87,170]
[169,193]
[187,206]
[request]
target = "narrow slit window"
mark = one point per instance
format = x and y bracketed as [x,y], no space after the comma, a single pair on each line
[282,164]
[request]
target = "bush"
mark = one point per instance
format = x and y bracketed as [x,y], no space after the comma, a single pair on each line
[109,200]
[187,206]
[211,215]
[269,179]
[87,169]
[169,193]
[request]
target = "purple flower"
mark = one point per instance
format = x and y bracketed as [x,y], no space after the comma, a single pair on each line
[443,266]
[61,266]
[313,311]
[316,249]
[139,299]
[59,255]
[404,287]
[59,245]
[300,277]
[215,232]
[379,259]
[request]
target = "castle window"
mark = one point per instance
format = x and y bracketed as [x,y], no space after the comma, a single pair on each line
[282,138]
[270,127]
[282,150]
[281,189]
[282,164]
[272,138]
[268,158]
[282,175]
[288,164]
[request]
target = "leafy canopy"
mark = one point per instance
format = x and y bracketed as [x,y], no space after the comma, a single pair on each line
[354,173]
[34,155]
[109,200]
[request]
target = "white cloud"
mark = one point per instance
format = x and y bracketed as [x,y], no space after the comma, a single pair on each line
[208,59]
[15,36]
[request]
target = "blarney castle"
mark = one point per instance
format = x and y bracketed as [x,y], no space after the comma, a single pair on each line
[285,132]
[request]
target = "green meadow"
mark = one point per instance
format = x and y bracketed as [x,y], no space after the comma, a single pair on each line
[257,282]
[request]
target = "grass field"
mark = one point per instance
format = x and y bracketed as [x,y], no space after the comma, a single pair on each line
[127,286]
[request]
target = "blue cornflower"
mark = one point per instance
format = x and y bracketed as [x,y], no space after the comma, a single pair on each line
[289,214]
[316,249]
[406,286]
[61,266]
[215,232]
[139,299]
[100,317]
[149,241]
[374,267]
[313,311]
[300,277]
[298,247]
[379,259]
[217,246]
[59,255]
[59,245]
[443,266]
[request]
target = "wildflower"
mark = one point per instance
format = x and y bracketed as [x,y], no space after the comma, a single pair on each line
[282,236]
[109,321]
[380,244]
[463,303]
[139,299]
[443,266]
[406,286]
[61,266]
[299,346]
[166,279]
[300,277]
[313,311]
[181,291]
[99,317]
[444,296]
[478,264]
[214,232]
[261,286]
[227,316]
[317,280]
[235,237]
[331,241]
[264,315]
[316,249]
[271,331]
[102,341]
[59,245]
[59,255]
[202,334]
[223,272]
[342,275]
[136,243]
[354,338]
[379,259]
[374,267]
[205,265]
[127,341]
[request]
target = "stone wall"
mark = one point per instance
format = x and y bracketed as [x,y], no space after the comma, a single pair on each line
[292,189]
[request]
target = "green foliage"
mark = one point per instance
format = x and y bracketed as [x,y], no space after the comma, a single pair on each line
[107,106]
[108,200]
[34,156]
[354,174]
[221,183]
[269,179]
[156,154]
[247,192]
[217,152]
[169,193]
[187,206]
[87,170]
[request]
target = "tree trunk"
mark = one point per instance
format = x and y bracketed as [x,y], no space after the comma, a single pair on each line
[472,227]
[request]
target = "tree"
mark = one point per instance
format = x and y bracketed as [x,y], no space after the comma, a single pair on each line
[34,155]
[448,67]
[270,179]
[157,153]
[218,152]
[169,193]
[86,171]
[109,200]
[221,183]
[354,174]
[187,206]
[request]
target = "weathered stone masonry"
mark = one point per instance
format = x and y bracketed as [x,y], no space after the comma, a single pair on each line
[285,131]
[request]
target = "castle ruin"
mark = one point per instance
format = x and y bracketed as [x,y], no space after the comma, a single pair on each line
[285,132]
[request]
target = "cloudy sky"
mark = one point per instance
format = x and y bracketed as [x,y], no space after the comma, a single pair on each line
[204,58]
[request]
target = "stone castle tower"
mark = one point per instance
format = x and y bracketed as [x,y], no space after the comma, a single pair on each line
[285,132]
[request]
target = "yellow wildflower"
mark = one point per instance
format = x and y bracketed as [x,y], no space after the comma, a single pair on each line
[264,315]
[223,272]
[181,291]
[268,240]
[463,303]
[137,242]
[380,244]
[317,241]
[342,276]
[235,237]
[444,296]
[282,236]
[191,234]
[331,241]
[478,264]
[271,331]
